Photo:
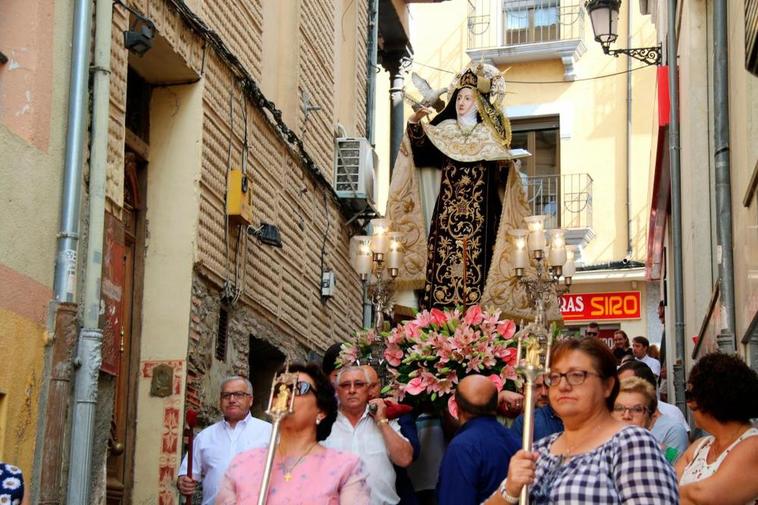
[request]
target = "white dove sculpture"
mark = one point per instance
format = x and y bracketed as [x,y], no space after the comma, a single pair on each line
[430,97]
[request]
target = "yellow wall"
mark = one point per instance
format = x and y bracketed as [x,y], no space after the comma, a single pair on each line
[35,35]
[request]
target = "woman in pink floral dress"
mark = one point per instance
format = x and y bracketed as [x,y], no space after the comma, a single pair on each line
[304,472]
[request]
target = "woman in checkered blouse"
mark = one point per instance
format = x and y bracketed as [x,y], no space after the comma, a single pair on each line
[597,459]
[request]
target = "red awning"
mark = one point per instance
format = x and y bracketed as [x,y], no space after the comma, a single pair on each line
[661,195]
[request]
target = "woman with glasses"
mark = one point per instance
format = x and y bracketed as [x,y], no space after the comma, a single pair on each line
[722,393]
[637,404]
[596,459]
[304,472]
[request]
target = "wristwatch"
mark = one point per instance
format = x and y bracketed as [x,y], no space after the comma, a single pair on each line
[383,421]
[504,493]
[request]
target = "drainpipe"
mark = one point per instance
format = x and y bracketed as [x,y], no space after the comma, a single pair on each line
[397,119]
[628,133]
[726,341]
[372,48]
[64,281]
[89,354]
[676,206]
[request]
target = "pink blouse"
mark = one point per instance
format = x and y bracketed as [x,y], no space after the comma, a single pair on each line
[328,477]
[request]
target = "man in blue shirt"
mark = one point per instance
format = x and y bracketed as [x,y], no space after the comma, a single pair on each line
[546,422]
[476,461]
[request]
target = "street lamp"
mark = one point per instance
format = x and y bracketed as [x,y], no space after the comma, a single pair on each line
[604,15]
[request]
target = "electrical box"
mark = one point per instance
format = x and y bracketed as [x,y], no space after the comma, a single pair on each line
[239,198]
[328,284]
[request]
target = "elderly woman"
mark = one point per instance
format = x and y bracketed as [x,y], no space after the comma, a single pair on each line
[303,472]
[722,393]
[637,404]
[597,459]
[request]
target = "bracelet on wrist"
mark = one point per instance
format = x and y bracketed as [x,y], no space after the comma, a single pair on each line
[383,421]
[504,494]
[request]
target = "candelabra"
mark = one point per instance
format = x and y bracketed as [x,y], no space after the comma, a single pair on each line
[542,286]
[552,261]
[377,259]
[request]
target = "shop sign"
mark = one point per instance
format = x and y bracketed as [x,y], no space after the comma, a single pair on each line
[616,305]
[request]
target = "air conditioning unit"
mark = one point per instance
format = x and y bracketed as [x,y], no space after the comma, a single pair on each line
[354,172]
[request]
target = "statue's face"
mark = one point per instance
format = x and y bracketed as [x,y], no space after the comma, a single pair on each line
[464,102]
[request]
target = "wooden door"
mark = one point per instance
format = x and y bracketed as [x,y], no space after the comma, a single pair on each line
[120,468]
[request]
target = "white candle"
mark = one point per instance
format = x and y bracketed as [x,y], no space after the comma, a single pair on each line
[379,236]
[395,254]
[536,240]
[520,258]
[536,232]
[363,263]
[557,255]
[569,268]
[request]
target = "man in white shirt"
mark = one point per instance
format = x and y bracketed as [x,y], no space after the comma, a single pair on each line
[639,349]
[372,436]
[216,445]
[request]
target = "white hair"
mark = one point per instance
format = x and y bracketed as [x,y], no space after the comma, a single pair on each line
[232,378]
[353,369]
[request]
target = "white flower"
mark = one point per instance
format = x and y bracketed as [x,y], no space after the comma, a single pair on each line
[11,483]
[13,469]
[5,499]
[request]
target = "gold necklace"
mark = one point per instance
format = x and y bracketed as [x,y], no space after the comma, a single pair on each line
[288,471]
[466,134]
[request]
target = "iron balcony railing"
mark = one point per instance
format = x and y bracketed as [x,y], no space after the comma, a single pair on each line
[566,199]
[523,22]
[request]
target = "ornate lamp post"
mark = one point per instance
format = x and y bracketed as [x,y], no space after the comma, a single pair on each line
[604,15]
[552,260]
[377,259]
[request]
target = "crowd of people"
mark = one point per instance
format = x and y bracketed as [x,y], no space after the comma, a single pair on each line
[602,436]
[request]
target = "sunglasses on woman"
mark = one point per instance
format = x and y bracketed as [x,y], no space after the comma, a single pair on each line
[302,388]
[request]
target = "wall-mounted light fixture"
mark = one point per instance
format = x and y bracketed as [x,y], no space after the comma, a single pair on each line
[138,39]
[267,233]
[604,15]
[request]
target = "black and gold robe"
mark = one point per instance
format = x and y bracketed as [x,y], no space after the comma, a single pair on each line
[464,222]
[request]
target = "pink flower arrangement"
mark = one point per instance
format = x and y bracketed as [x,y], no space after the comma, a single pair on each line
[366,348]
[427,356]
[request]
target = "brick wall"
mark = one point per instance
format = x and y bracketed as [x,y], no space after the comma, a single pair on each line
[283,283]
[281,301]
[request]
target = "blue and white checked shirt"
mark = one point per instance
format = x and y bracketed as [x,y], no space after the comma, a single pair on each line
[628,469]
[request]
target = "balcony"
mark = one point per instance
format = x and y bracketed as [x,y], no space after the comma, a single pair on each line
[566,200]
[527,30]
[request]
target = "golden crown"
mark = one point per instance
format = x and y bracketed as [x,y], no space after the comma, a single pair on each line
[468,78]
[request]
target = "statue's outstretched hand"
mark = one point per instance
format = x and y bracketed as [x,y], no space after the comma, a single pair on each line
[420,114]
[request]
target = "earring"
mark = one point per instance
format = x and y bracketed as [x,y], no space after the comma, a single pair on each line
[318,421]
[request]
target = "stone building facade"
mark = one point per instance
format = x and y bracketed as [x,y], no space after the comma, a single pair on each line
[259,85]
